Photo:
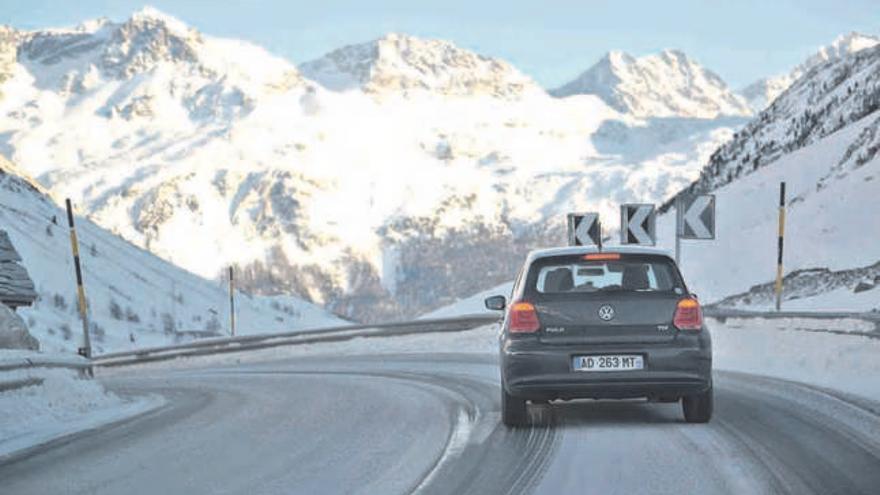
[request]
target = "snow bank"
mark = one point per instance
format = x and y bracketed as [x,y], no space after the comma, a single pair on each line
[840,299]
[800,351]
[63,404]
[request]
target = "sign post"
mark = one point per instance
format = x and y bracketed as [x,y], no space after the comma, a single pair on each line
[231,303]
[780,246]
[584,229]
[638,224]
[695,219]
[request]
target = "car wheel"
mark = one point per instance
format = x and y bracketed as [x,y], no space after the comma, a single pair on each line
[513,410]
[698,408]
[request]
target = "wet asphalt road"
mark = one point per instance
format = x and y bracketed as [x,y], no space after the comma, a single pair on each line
[429,423]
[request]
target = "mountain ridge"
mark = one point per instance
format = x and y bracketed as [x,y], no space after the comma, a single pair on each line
[762,92]
[403,63]
[660,85]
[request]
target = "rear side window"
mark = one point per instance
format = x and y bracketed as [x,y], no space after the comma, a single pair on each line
[631,274]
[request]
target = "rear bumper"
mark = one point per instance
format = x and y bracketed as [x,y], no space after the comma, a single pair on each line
[540,372]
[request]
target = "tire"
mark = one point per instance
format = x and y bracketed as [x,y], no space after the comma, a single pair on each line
[698,408]
[513,410]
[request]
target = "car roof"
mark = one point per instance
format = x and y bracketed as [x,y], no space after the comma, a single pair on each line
[575,250]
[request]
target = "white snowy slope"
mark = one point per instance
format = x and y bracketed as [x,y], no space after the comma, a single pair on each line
[668,84]
[372,189]
[829,223]
[762,92]
[135,299]
[821,137]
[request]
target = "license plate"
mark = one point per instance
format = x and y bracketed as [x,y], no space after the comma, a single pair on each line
[615,362]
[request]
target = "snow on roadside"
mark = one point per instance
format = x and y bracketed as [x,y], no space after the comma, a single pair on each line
[841,299]
[473,305]
[776,348]
[62,405]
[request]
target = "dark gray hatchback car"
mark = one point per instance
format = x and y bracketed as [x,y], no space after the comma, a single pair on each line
[615,324]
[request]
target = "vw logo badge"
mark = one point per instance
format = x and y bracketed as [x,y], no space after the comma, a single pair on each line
[606,313]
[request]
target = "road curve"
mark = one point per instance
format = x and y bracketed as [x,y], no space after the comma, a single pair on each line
[429,423]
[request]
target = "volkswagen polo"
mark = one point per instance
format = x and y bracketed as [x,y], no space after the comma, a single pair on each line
[615,324]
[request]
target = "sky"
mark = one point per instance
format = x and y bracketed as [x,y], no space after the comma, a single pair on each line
[552,41]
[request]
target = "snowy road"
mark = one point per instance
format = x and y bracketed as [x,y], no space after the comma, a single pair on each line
[429,423]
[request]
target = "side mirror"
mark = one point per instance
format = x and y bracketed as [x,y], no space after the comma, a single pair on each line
[496,303]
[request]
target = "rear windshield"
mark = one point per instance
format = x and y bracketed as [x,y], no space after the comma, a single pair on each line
[633,274]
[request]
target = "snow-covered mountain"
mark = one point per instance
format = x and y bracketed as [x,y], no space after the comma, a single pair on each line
[668,84]
[399,63]
[822,137]
[763,91]
[151,67]
[373,197]
[135,299]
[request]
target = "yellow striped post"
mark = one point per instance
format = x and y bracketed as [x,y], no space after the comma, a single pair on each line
[780,246]
[86,349]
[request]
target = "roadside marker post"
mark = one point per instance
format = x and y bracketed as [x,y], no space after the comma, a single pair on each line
[86,349]
[694,219]
[638,224]
[780,245]
[231,303]
[584,229]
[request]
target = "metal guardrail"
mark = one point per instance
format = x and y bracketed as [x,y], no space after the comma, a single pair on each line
[241,343]
[346,332]
[723,314]
[824,315]
[72,362]
[83,366]
[263,341]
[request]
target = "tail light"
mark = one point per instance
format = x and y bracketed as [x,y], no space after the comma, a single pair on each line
[688,315]
[523,318]
[602,257]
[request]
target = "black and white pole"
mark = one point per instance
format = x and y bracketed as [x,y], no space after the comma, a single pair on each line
[677,243]
[231,303]
[86,349]
[679,228]
[781,243]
